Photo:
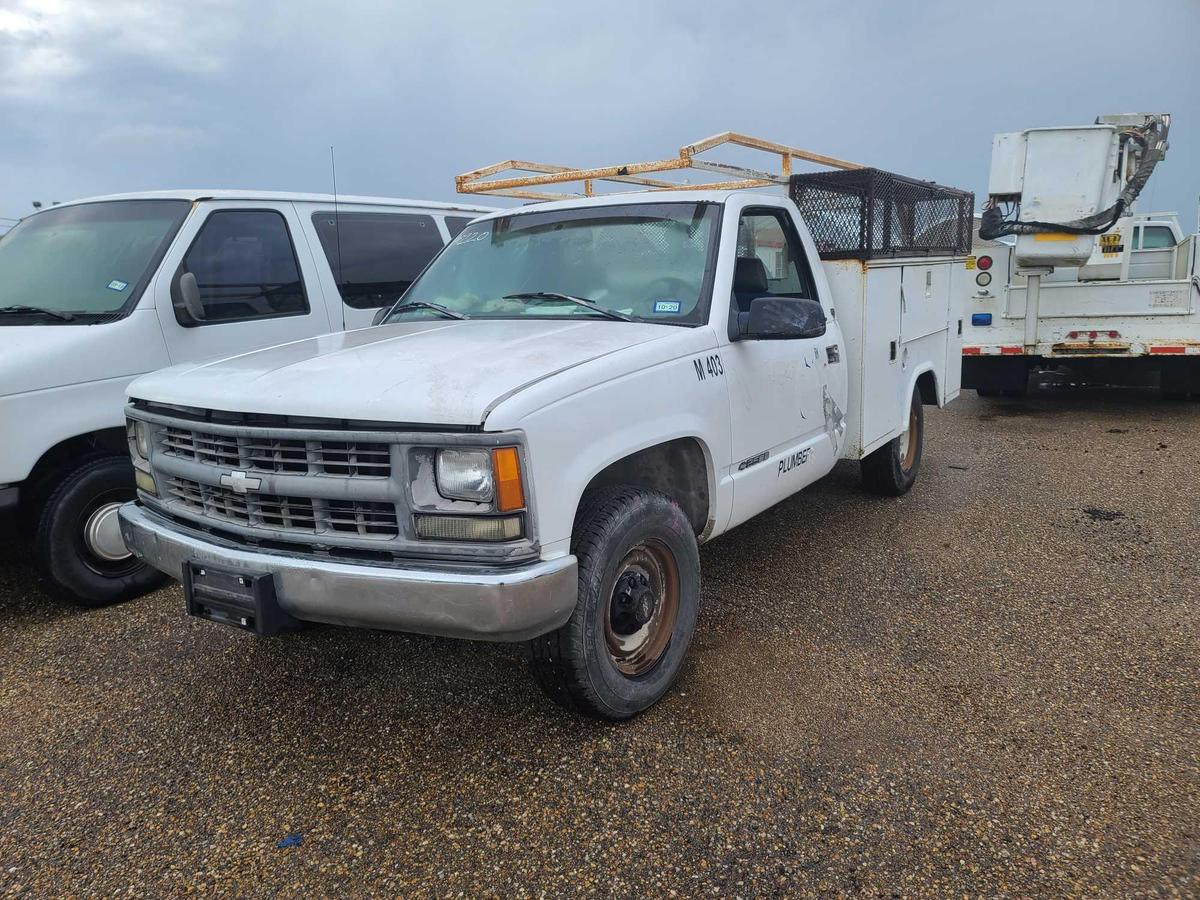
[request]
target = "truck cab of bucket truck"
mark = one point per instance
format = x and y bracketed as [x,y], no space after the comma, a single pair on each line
[96,292]
[569,400]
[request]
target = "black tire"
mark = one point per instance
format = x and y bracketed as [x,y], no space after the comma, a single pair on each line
[891,470]
[987,392]
[76,573]
[574,665]
[1014,393]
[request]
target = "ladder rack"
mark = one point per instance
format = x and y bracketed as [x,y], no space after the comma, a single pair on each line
[481,181]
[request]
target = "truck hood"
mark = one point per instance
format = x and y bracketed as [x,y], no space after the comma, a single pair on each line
[436,373]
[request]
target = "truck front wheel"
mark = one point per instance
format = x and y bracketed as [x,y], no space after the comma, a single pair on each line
[639,594]
[78,541]
[892,469]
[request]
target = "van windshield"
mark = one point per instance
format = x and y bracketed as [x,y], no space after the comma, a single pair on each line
[647,261]
[83,263]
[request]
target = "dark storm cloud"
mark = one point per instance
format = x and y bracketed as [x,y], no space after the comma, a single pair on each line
[108,95]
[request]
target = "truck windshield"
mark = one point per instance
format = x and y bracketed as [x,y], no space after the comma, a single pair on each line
[81,264]
[647,261]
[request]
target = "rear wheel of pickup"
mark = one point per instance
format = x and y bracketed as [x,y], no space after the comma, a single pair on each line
[78,540]
[892,469]
[639,595]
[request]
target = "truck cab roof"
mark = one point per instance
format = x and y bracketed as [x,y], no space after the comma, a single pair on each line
[197,194]
[627,197]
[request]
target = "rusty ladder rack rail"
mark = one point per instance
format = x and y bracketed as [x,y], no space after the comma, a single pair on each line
[480,181]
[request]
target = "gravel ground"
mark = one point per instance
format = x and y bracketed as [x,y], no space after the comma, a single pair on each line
[986,687]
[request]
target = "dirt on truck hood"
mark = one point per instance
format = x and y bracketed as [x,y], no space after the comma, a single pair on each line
[437,373]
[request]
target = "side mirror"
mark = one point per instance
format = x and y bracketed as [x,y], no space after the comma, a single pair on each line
[189,292]
[780,318]
[380,315]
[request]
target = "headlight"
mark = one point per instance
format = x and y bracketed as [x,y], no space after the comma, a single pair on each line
[138,433]
[141,434]
[465,475]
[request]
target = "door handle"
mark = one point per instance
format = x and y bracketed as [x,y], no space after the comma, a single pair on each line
[892,351]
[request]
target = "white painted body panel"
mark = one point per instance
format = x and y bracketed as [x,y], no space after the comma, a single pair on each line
[888,302]
[58,382]
[586,393]
[441,372]
[1144,312]
[1066,176]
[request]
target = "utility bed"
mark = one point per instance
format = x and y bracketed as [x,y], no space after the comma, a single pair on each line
[894,250]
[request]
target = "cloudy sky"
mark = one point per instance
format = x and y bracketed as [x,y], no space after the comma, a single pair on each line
[100,96]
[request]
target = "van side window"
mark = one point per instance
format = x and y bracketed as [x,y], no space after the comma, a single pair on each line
[1157,237]
[245,267]
[374,257]
[770,259]
[455,225]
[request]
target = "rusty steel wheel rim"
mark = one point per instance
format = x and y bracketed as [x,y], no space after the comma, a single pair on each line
[909,440]
[642,608]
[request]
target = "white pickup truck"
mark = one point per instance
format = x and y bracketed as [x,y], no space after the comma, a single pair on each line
[569,400]
[96,292]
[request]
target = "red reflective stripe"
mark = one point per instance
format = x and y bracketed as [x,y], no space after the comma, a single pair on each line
[1168,350]
[1011,351]
[970,351]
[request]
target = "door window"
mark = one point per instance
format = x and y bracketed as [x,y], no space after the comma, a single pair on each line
[1157,237]
[245,268]
[770,260]
[374,257]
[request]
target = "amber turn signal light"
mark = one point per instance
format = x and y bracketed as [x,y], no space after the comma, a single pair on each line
[510,493]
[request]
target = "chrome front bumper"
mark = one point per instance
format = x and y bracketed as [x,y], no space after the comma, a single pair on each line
[488,604]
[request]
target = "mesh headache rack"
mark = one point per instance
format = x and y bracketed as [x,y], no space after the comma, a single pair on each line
[855,213]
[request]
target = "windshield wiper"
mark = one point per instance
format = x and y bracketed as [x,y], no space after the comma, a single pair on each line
[568,298]
[436,307]
[37,311]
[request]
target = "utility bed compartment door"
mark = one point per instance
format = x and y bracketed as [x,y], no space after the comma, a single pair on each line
[881,373]
[926,300]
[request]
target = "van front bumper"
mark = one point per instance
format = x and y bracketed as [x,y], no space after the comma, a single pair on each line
[478,603]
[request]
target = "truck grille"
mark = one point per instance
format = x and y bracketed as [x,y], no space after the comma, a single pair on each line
[350,459]
[302,515]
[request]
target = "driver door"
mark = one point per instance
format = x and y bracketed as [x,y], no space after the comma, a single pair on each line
[779,439]
[256,277]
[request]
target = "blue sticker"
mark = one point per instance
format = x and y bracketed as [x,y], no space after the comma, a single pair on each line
[666,306]
[116,285]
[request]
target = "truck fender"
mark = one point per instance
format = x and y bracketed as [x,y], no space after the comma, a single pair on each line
[924,380]
[658,478]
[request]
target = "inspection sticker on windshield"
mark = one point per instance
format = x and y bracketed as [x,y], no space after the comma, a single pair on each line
[667,306]
[117,285]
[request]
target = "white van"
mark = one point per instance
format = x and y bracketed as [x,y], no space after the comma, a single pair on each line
[98,291]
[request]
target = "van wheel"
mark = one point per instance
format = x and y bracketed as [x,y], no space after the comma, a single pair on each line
[78,540]
[892,469]
[639,595]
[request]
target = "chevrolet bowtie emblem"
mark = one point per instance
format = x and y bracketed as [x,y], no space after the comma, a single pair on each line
[240,482]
